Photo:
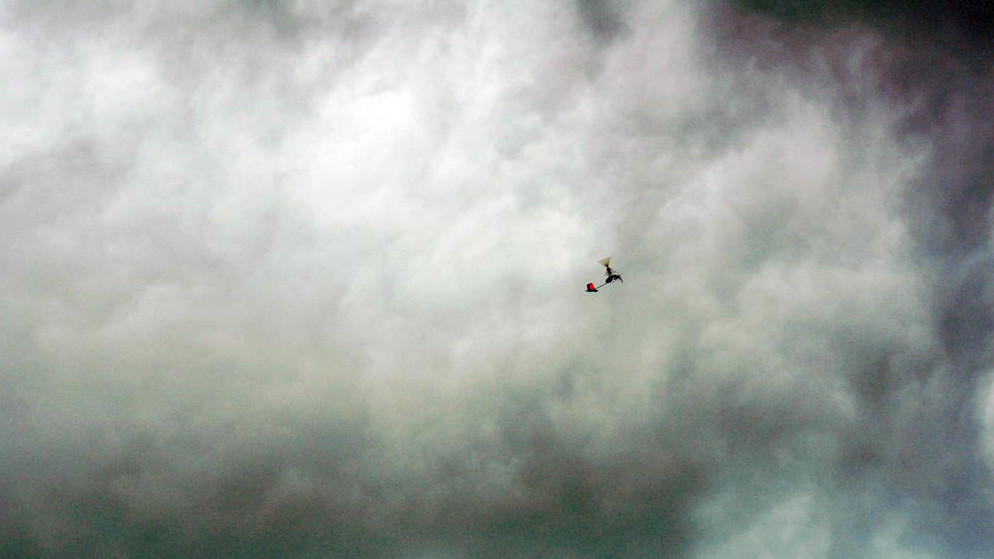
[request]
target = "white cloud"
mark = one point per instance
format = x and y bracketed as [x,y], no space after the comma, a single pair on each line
[311,275]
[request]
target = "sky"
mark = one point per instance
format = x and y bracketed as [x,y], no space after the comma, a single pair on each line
[304,279]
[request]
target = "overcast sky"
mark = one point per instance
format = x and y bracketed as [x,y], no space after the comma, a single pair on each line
[304,279]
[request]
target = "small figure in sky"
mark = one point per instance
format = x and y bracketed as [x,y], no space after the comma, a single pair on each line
[611,274]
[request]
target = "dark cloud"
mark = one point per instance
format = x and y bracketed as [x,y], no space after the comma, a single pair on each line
[920,439]
[952,20]
[602,18]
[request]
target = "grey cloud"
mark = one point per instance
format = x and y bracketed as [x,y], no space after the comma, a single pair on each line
[602,18]
[950,20]
[918,441]
[305,279]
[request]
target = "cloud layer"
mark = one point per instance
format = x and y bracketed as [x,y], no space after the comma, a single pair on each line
[304,279]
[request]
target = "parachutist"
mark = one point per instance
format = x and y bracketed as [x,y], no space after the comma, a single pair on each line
[611,274]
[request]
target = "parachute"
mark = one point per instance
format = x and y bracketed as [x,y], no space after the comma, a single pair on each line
[612,276]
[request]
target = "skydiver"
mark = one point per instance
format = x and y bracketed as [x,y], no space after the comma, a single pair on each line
[612,275]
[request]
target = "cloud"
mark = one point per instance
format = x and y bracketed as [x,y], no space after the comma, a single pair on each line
[602,18]
[305,279]
[863,60]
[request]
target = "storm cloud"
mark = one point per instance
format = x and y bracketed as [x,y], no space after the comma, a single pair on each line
[305,279]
